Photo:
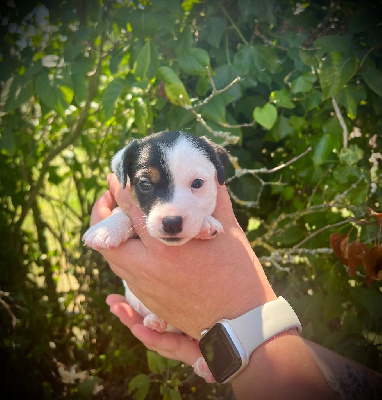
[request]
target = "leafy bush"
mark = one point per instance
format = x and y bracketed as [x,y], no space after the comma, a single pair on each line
[293,90]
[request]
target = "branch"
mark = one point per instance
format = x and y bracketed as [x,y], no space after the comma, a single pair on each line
[234,25]
[215,92]
[324,228]
[8,308]
[243,171]
[345,132]
[228,139]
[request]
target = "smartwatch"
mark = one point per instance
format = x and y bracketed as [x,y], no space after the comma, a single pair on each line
[227,346]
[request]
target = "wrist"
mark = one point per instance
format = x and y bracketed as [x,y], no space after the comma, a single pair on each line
[251,291]
[228,345]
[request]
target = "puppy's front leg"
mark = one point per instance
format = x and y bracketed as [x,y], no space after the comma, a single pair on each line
[110,232]
[211,227]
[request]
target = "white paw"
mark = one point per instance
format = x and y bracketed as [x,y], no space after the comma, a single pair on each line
[211,227]
[201,369]
[110,232]
[155,323]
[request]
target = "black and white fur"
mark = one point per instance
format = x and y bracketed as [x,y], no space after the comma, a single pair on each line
[172,180]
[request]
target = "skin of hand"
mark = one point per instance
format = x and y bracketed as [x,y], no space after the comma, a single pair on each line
[170,345]
[190,286]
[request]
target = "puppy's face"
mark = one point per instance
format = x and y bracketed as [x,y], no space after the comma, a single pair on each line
[172,180]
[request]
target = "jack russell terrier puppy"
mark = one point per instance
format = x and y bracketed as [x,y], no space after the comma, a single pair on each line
[172,180]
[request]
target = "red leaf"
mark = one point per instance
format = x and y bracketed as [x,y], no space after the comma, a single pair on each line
[356,252]
[372,261]
[376,216]
[339,245]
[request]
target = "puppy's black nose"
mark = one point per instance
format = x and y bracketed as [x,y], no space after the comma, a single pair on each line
[172,224]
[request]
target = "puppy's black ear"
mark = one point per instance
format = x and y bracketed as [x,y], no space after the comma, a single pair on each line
[218,156]
[121,164]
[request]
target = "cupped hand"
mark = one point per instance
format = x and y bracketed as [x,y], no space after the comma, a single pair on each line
[174,346]
[190,286]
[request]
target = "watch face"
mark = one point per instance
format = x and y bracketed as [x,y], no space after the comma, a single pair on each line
[220,353]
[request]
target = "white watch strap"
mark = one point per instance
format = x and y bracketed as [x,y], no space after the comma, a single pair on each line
[264,322]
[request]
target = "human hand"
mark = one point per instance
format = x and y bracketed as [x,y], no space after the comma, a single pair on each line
[193,285]
[174,346]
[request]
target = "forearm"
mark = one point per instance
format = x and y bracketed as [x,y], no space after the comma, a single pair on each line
[282,368]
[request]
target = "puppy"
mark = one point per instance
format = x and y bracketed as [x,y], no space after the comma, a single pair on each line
[172,180]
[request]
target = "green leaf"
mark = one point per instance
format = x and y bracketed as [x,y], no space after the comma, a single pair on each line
[194,61]
[324,147]
[15,92]
[291,236]
[111,94]
[54,92]
[350,96]
[202,86]
[140,383]
[171,394]
[141,115]
[373,79]
[370,299]
[156,362]
[175,90]
[7,139]
[331,43]
[147,61]
[281,98]
[303,83]
[308,57]
[79,86]
[280,129]
[147,24]
[224,75]
[256,59]
[262,9]
[344,173]
[336,70]
[332,306]
[265,116]
[214,31]
[351,155]
[215,109]
[297,122]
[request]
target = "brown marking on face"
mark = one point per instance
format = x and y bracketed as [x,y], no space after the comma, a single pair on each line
[153,174]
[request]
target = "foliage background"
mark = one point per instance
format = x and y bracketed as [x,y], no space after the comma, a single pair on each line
[293,90]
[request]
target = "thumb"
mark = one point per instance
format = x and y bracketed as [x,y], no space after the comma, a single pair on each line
[223,209]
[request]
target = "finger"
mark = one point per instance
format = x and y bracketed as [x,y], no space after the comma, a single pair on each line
[223,204]
[127,315]
[102,208]
[125,201]
[118,257]
[115,298]
[122,196]
[171,345]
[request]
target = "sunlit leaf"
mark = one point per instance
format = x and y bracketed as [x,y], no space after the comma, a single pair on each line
[175,90]
[265,116]
[111,94]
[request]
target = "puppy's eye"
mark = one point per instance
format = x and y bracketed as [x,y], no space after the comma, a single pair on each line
[197,183]
[144,185]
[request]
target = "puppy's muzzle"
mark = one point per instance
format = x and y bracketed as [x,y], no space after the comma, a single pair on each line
[172,225]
